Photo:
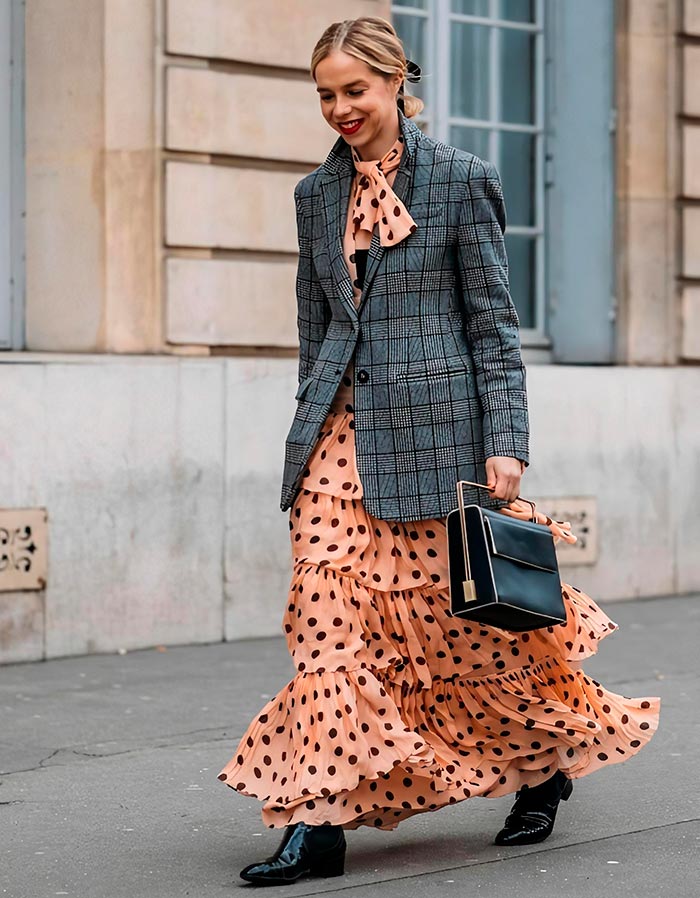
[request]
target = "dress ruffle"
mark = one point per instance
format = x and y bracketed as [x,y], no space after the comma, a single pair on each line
[398,707]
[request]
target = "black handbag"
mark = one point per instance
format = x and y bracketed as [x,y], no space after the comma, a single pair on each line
[502,571]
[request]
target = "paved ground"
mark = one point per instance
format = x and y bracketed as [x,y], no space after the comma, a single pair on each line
[109,789]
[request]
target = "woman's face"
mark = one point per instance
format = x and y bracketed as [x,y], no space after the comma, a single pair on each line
[355,101]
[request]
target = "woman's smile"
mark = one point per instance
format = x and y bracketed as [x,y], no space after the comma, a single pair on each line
[352,126]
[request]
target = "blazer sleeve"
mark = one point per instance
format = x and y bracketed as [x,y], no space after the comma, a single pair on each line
[491,321]
[313,309]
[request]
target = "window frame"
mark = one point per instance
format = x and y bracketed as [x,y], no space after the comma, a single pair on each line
[437,121]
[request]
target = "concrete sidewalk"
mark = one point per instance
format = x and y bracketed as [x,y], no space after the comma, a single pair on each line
[109,788]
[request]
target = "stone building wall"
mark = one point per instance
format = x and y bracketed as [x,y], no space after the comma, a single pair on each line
[163,139]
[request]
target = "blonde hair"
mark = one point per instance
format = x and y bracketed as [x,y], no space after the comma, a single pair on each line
[373,41]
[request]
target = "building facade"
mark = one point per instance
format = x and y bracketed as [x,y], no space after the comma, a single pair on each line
[148,352]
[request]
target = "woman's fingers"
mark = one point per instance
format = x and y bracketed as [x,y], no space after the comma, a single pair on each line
[507,488]
[490,474]
[503,475]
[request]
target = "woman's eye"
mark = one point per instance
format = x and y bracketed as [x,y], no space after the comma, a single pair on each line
[352,93]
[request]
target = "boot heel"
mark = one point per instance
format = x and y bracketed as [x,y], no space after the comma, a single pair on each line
[331,867]
[567,790]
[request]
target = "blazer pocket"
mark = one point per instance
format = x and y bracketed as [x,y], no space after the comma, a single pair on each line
[303,387]
[424,374]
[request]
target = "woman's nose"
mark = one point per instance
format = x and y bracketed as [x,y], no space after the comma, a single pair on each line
[342,110]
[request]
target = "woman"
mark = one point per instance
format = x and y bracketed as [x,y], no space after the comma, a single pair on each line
[410,379]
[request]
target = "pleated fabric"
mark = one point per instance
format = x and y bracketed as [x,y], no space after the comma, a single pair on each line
[397,707]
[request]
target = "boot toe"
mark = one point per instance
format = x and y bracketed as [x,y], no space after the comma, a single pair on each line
[521,836]
[268,874]
[532,816]
[305,851]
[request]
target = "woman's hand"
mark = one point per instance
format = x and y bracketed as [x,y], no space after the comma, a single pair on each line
[503,473]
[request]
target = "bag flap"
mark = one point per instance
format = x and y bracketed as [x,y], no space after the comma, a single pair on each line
[522,541]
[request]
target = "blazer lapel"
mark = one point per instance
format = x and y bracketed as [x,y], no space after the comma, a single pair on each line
[335,193]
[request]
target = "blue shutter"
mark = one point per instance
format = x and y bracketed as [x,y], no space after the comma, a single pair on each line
[580,196]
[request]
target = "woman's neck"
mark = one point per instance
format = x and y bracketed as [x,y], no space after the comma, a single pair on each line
[381,145]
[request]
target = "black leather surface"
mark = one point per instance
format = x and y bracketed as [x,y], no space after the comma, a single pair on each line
[530,544]
[518,586]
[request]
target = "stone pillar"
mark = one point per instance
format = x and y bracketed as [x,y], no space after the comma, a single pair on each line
[647,230]
[92,163]
[168,137]
[690,182]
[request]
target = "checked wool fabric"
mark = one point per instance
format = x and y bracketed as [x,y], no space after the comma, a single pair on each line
[439,382]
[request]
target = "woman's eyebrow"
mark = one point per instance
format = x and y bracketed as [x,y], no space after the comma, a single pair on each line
[358,81]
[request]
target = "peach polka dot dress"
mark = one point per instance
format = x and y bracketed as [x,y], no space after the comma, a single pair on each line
[397,707]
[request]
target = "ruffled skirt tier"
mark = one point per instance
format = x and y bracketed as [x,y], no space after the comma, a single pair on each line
[398,707]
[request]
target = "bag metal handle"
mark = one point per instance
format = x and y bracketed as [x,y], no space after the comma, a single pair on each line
[460,496]
[468,584]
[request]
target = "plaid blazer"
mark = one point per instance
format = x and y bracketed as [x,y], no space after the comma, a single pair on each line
[439,379]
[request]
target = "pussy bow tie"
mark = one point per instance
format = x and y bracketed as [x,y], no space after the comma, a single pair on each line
[375,201]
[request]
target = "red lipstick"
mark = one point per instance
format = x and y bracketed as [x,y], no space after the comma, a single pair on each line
[355,126]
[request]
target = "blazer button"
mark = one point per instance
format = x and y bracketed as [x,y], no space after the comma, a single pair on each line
[362,376]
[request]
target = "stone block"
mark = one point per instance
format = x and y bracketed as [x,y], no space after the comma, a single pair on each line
[259,410]
[65,254]
[126,455]
[231,302]
[58,56]
[132,314]
[262,32]
[64,191]
[649,331]
[691,79]
[690,324]
[691,161]
[591,435]
[649,17]
[245,115]
[691,17]
[130,43]
[231,208]
[648,117]
[691,241]
[686,467]
[21,626]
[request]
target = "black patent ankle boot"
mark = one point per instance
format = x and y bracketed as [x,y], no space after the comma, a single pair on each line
[304,851]
[531,818]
